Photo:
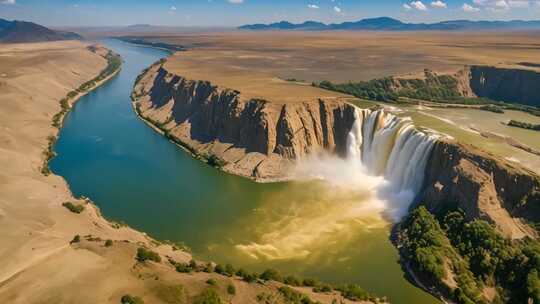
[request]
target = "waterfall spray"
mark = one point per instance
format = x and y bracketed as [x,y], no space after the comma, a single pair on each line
[391,147]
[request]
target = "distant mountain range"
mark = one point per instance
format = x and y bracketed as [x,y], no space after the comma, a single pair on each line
[22,31]
[390,24]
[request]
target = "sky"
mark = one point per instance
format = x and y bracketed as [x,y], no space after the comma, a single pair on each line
[237,12]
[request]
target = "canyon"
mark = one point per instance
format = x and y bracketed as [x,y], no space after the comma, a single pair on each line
[261,139]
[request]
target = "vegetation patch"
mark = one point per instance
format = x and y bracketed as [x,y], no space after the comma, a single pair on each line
[172,294]
[492,108]
[473,255]
[231,289]
[129,299]
[73,208]
[108,243]
[524,125]
[292,296]
[208,296]
[144,254]
[76,239]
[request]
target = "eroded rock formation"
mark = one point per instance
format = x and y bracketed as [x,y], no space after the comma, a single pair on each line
[254,138]
[483,185]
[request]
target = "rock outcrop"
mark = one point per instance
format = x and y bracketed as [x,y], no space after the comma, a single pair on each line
[483,185]
[254,138]
[503,84]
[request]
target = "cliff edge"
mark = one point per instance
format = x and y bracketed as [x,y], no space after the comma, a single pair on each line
[250,137]
[484,186]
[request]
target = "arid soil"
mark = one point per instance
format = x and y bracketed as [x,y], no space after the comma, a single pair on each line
[353,56]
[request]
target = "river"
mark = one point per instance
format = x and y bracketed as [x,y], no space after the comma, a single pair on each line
[136,176]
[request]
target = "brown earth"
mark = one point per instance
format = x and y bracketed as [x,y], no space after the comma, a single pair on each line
[343,56]
[39,265]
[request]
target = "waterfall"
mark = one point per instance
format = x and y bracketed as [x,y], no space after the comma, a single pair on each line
[391,147]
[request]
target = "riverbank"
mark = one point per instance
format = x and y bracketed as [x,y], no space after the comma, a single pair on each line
[113,67]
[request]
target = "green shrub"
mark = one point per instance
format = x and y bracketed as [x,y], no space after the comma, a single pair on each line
[129,299]
[292,280]
[73,208]
[231,289]
[144,254]
[209,268]
[271,274]
[323,288]
[211,282]
[292,296]
[171,294]
[108,243]
[183,268]
[75,239]
[208,296]
[310,282]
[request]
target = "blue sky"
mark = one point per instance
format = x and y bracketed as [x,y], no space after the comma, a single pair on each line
[237,12]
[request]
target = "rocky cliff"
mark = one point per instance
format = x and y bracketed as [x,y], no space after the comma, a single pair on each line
[254,138]
[509,85]
[483,185]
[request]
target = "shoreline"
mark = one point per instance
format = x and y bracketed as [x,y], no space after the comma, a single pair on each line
[59,117]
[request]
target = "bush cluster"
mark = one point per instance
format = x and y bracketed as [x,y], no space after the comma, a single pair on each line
[476,253]
[144,254]
[523,125]
[73,208]
[129,299]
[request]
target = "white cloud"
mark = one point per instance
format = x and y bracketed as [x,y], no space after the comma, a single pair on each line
[337,9]
[469,8]
[236,1]
[419,5]
[498,5]
[7,2]
[173,8]
[438,4]
[407,7]
[314,6]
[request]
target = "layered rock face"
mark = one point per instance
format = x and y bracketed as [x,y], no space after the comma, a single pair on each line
[483,185]
[509,85]
[254,138]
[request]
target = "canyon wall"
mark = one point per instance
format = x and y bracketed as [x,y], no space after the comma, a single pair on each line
[254,138]
[260,140]
[508,85]
[482,185]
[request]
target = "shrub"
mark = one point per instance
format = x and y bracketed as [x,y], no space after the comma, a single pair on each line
[310,282]
[354,292]
[183,268]
[75,239]
[229,270]
[323,288]
[292,280]
[144,254]
[73,208]
[271,274]
[129,299]
[209,268]
[231,289]
[219,269]
[171,294]
[211,282]
[108,243]
[208,296]
[292,296]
